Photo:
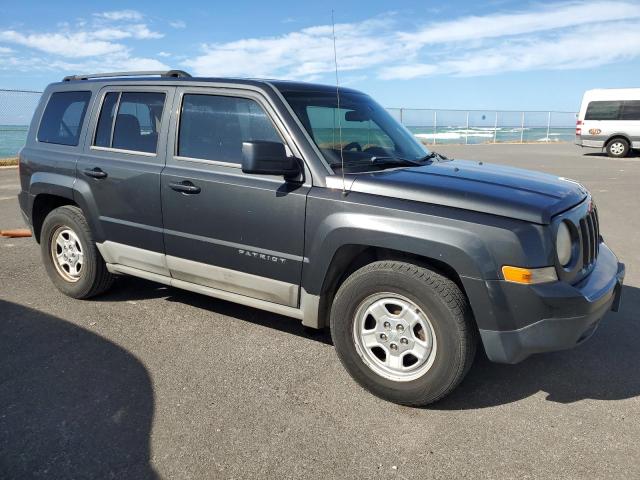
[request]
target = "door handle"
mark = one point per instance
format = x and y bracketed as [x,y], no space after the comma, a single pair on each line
[95,173]
[185,187]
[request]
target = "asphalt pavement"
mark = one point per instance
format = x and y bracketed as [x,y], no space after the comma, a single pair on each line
[149,381]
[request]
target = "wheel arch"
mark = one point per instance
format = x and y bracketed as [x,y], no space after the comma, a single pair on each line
[613,136]
[351,257]
[43,205]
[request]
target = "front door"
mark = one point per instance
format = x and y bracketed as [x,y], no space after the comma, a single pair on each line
[223,228]
[119,174]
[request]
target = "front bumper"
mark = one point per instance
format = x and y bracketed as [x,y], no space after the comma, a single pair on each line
[555,316]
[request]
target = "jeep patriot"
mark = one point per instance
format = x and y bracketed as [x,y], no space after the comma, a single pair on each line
[313,202]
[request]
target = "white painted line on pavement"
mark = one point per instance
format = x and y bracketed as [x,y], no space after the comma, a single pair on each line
[9,198]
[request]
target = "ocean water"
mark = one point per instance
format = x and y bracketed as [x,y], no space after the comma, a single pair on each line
[475,135]
[12,137]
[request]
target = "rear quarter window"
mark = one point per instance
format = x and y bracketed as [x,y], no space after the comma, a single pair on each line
[63,118]
[631,110]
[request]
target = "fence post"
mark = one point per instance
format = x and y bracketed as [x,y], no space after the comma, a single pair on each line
[435,125]
[522,129]
[401,116]
[495,129]
[548,126]
[466,132]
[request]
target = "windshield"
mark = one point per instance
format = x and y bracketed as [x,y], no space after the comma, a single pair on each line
[361,130]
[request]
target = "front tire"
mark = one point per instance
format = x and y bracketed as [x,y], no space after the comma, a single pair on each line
[70,255]
[403,332]
[618,148]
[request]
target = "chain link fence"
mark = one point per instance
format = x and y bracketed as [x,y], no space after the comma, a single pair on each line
[16,110]
[429,126]
[482,126]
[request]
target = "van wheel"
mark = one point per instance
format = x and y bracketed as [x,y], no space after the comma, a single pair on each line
[70,255]
[403,332]
[618,148]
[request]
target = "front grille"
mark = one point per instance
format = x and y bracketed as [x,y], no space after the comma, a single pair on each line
[590,237]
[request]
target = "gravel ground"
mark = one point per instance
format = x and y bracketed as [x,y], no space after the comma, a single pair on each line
[149,381]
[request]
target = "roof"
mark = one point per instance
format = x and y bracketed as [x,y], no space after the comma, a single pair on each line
[284,86]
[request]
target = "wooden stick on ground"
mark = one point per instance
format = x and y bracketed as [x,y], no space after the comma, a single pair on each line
[16,233]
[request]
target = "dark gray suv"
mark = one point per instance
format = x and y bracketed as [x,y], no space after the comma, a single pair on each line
[316,204]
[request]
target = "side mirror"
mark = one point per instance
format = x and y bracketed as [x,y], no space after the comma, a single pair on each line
[268,158]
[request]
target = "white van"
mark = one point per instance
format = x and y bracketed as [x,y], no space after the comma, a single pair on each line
[610,119]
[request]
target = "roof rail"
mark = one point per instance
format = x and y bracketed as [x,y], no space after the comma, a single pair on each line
[168,73]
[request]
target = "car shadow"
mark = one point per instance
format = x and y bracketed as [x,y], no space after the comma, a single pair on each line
[130,288]
[632,154]
[73,404]
[603,368]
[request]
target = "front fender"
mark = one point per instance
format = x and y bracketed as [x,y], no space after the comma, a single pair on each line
[474,245]
[459,248]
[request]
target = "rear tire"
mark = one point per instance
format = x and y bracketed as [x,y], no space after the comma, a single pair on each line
[70,255]
[618,148]
[403,332]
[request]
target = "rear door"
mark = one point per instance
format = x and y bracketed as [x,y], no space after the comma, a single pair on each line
[119,174]
[226,229]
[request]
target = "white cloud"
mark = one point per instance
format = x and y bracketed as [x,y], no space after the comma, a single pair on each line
[86,46]
[549,17]
[548,36]
[142,32]
[300,54]
[543,36]
[120,15]
[80,44]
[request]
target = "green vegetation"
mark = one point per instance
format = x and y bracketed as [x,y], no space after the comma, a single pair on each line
[4,162]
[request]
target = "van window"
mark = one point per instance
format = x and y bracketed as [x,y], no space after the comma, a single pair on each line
[631,110]
[63,118]
[137,121]
[605,110]
[213,127]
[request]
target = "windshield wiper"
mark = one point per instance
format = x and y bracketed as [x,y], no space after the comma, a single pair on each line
[432,155]
[377,161]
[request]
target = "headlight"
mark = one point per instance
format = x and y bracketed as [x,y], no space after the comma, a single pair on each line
[564,247]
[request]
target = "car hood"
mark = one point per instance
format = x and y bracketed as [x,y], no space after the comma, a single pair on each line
[477,186]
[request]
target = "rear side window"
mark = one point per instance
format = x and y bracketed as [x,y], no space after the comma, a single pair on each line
[631,110]
[105,122]
[213,127]
[63,118]
[137,121]
[606,110]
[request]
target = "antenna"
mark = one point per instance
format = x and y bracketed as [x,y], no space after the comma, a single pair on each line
[335,61]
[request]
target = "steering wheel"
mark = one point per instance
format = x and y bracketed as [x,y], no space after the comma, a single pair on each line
[352,145]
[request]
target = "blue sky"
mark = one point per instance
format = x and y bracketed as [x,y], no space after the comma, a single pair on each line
[485,55]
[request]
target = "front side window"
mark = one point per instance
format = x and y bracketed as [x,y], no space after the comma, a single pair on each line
[213,127]
[631,110]
[359,131]
[137,121]
[63,118]
[605,110]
